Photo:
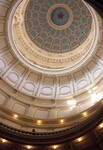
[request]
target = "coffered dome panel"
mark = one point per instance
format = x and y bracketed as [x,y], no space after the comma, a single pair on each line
[57,26]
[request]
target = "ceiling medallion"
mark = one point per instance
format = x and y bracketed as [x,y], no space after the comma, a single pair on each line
[59,16]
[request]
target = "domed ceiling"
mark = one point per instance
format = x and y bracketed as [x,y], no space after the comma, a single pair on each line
[58,26]
[52,35]
[51,63]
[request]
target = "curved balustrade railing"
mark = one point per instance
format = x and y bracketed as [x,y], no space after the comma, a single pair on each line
[37,138]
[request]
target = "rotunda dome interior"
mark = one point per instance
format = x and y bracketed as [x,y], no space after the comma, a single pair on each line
[51,64]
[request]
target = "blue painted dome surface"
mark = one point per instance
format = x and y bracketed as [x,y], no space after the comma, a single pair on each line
[55,40]
[60,16]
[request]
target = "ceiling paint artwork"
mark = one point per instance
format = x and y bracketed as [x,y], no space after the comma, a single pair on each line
[57,26]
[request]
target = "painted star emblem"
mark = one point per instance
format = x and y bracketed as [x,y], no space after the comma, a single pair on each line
[60,15]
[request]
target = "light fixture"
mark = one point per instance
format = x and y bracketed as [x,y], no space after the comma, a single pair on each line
[93,98]
[79,139]
[3,140]
[85,114]
[99,96]
[39,121]
[96,97]
[72,103]
[101,125]
[62,121]
[54,147]
[15,116]
[28,147]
